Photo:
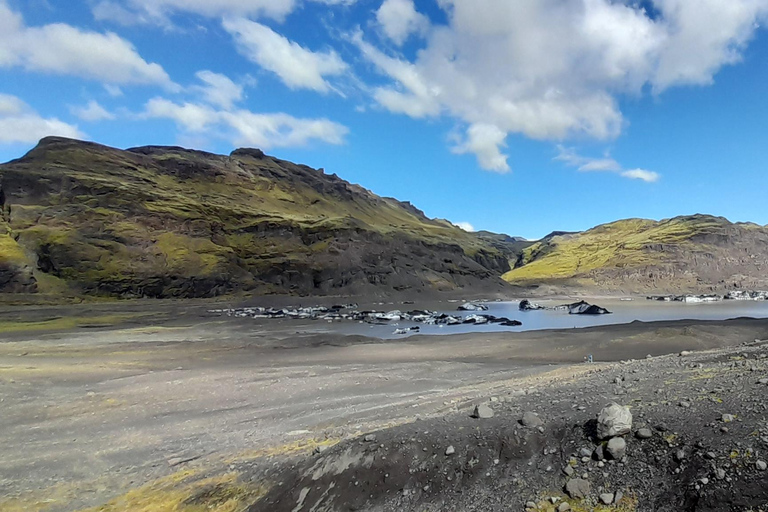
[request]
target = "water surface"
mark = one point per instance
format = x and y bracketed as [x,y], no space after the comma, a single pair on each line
[622,312]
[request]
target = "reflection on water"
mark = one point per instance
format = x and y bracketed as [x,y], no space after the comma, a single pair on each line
[623,312]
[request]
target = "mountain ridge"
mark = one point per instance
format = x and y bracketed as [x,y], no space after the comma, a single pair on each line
[686,253]
[80,218]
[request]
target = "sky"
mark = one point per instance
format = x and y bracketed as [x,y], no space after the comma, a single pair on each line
[514,116]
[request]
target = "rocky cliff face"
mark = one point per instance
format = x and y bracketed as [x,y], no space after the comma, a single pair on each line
[81,218]
[690,253]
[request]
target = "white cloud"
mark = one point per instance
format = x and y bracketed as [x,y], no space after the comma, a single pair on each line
[296,66]
[466,226]
[113,90]
[551,69]
[65,50]
[132,12]
[92,112]
[642,174]
[218,89]
[399,20]
[485,141]
[604,164]
[245,128]
[11,105]
[20,124]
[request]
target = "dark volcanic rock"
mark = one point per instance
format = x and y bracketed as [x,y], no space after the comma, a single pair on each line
[171,222]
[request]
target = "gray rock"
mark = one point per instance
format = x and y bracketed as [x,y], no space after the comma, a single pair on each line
[531,420]
[680,455]
[728,418]
[617,448]
[614,420]
[568,470]
[577,488]
[599,453]
[761,465]
[450,450]
[607,498]
[483,412]
[531,505]
[720,474]
[644,433]
[685,404]
[370,438]
[563,507]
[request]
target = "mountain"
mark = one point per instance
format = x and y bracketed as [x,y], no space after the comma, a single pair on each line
[80,218]
[690,253]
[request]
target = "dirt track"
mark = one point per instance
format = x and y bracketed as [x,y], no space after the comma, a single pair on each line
[90,413]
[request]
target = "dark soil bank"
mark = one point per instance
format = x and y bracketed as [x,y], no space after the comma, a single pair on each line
[698,458]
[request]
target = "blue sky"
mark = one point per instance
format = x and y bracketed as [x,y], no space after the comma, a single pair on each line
[519,117]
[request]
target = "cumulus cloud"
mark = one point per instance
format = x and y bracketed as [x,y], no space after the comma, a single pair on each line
[485,141]
[92,112]
[399,20]
[296,66]
[245,128]
[65,50]
[131,12]
[604,164]
[20,124]
[551,69]
[218,89]
[466,226]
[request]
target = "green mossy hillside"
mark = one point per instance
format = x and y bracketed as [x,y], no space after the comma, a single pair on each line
[171,222]
[693,252]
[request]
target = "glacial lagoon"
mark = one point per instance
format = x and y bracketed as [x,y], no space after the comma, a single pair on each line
[623,311]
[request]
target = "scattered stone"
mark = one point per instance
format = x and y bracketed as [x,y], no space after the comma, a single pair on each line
[482,412]
[614,420]
[450,450]
[370,438]
[685,404]
[564,507]
[568,470]
[761,465]
[617,448]
[577,488]
[720,474]
[531,419]
[599,453]
[680,455]
[728,418]
[644,433]
[607,498]
[531,505]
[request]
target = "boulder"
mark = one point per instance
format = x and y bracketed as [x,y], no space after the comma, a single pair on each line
[614,420]
[482,412]
[617,448]
[531,420]
[577,488]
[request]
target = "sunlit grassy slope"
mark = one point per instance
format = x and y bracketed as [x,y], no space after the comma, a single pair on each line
[628,245]
[160,221]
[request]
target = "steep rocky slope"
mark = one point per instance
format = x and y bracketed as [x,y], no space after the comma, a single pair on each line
[692,253]
[81,218]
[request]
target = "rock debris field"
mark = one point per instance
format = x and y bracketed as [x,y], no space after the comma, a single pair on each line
[684,432]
